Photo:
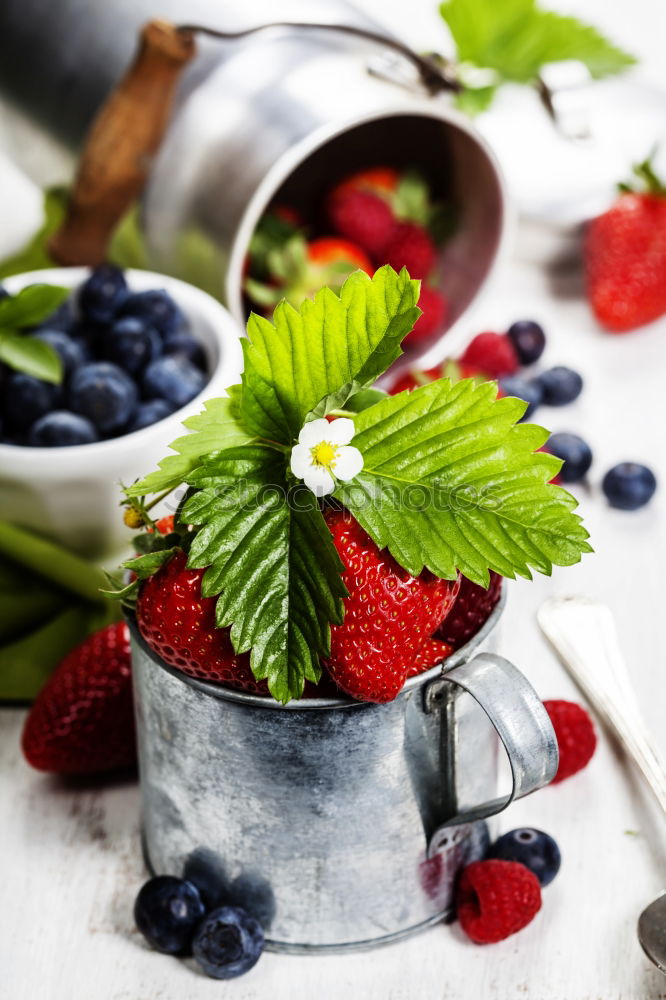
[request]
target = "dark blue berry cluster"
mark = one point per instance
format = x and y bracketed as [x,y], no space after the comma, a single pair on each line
[129,359]
[178,918]
[627,486]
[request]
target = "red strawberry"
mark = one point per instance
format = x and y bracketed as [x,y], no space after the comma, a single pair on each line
[179,625]
[576,738]
[454,370]
[470,610]
[625,257]
[166,524]
[413,378]
[494,899]
[491,353]
[363,218]
[429,655]
[83,719]
[378,180]
[389,615]
[330,252]
[288,214]
[410,247]
[435,309]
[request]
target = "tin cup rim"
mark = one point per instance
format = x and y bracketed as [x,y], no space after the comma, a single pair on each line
[459,656]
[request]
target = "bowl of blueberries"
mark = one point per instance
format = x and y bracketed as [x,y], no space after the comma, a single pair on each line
[138,353]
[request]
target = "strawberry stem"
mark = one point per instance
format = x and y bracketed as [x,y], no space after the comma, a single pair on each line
[651,183]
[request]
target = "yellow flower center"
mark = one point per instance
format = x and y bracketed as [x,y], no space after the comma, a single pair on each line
[324,454]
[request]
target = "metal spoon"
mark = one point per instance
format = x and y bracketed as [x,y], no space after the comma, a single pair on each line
[583,633]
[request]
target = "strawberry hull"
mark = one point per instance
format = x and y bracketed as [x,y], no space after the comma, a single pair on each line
[352,819]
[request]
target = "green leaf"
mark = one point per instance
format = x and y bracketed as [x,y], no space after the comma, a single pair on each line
[51,561]
[450,482]
[363,399]
[313,359]
[516,38]
[33,357]
[145,565]
[270,557]
[474,100]
[411,199]
[31,305]
[216,427]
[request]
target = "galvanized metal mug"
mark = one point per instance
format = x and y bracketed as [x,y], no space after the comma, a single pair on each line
[348,821]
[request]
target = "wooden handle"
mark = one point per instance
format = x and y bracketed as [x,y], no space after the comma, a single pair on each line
[122,141]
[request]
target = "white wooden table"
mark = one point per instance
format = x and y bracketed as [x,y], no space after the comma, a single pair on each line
[70,861]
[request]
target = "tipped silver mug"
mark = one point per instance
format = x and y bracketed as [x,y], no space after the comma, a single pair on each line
[348,822]
[282,114]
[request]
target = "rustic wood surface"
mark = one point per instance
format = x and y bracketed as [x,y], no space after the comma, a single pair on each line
[70,862]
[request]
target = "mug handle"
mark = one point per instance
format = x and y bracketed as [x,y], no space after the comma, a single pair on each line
[519,718]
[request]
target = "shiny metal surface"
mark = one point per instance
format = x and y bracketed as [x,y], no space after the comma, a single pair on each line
[583,632]
[338,813]
[283,113]
[652,931]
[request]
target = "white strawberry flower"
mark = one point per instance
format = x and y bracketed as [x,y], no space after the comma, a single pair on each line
[323,454]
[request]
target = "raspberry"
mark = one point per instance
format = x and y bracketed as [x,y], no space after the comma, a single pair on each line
[471,609]
[576,738]
[491,353]
[495,899]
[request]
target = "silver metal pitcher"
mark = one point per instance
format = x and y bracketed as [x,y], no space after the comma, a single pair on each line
[283,113]
[348,821]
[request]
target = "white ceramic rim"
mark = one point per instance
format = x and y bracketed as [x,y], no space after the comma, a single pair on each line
[295,155]
[192,300]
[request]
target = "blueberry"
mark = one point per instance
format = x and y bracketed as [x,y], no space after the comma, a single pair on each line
[167,911]
[105,394]
[228,942]
[131,344]
[26,399]
[61,428]
[629,485]
[182,343]
[173,378]
[204,868]
[532,848]
[90,337]
[71,352]
[575,453]
[156,308]
[62,319]
[101,295]
[3,292]
[560,385]
[528,339]
[528,389]
[149,413]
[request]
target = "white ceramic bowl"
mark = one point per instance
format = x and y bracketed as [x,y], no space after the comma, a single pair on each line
[72,494]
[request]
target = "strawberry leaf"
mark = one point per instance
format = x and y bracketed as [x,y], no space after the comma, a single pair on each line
[30,356]
[271,560]
[451,482]
[216,427]
[310,361]
[516,38]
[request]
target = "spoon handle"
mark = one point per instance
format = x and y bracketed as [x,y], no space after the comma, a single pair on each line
[583,633]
